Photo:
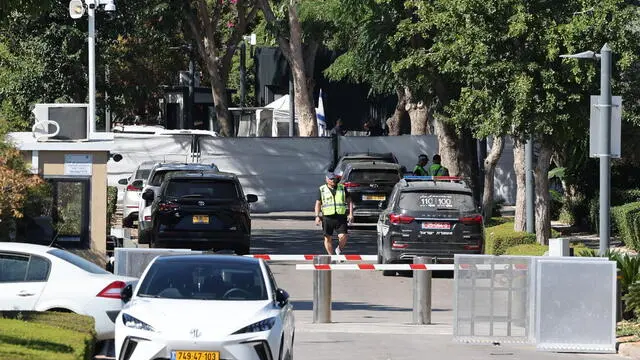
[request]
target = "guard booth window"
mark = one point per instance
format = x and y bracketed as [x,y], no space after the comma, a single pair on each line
[71,211]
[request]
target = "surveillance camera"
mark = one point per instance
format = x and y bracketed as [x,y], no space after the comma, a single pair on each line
[110,6]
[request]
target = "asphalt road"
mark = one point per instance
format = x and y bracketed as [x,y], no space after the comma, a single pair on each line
[371,314]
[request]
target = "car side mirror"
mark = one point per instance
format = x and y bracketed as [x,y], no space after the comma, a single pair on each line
[282,297]
[252,198]
[123,181]
[126,293]
[148,196]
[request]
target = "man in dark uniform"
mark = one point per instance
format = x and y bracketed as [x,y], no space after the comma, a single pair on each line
[333,212]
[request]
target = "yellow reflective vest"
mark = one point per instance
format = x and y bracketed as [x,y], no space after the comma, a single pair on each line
[331,204]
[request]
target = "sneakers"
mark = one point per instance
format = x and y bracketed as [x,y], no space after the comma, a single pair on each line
[338,252]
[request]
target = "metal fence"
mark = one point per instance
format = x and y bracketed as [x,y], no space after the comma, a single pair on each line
[558,303]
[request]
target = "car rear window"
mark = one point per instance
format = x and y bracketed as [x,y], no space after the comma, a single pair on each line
[76,260]
[210,189]
[374,175]
[434,201]
[142,174]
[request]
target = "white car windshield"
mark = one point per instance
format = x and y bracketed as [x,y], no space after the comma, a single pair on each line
[197,279]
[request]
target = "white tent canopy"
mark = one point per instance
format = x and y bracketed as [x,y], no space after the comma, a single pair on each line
[277,114]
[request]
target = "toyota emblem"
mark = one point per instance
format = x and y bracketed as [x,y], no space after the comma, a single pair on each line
[195,333]
[201,203]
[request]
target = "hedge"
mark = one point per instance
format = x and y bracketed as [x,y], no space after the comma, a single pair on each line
[501,237]
[112,198]
[527,250]
[46,336]
[627,221]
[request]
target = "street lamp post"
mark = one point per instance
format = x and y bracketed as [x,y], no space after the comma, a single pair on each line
[76,10]
[604,140]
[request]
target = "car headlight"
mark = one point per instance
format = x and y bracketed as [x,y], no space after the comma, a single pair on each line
[130,321]
[262,325]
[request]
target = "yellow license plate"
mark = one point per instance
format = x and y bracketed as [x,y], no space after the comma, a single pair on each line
[200,219]
[196,355]
[375,197]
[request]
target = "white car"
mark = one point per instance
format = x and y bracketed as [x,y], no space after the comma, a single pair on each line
[156,177]
[131,197]
[41,278]
[205,307]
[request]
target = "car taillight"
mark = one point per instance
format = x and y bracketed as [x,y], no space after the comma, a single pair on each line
[168,206]
[349,184]
[475,219]
[133,188]
[112,291]
[400,219]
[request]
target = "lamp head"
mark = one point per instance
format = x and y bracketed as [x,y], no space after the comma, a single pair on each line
[76,9]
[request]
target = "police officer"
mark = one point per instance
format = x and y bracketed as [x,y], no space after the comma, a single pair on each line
[333,212]
[436,169]
[419,170]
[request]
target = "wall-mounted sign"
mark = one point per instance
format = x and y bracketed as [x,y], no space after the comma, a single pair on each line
[78,164]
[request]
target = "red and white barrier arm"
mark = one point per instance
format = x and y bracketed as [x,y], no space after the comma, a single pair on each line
[269,257]
[396,267]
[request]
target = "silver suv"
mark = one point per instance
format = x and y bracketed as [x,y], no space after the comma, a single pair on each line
[156,177]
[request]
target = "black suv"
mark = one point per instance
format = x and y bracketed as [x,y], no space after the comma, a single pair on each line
[435,218]
[201,211]
[351,157]
[369,185]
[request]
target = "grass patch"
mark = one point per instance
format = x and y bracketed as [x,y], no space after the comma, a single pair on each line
[527,250]
[501,237]
[628,328]
[39,335]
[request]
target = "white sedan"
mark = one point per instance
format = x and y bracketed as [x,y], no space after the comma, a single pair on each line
[205,307]
[41,278]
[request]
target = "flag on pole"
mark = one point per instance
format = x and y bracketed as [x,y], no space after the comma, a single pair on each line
[322,124]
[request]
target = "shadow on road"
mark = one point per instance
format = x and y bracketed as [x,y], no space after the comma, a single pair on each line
[349,305]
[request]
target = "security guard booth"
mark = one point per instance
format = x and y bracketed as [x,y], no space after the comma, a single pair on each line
[77,172]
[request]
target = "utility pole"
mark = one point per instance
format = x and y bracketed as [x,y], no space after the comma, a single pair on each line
[192,81]
[605,146]
[243,73]
[292,106]
[529,185]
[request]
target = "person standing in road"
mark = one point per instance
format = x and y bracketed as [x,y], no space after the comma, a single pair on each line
[331,211]
[437,169]
[419,170]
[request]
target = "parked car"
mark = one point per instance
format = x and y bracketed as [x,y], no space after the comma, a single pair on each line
[349,157]
[131,198]
[42,278]
[201,211]
[205,307]
[156,176]
[429,216]
[369,185]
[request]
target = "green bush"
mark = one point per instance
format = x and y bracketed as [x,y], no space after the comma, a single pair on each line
[47,336]
[627,221]
[501,237]
[527,250]
[112,198]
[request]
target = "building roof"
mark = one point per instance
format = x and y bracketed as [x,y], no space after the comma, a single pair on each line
[26,142]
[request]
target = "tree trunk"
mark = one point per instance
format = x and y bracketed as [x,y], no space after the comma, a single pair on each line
[521,180]
[307,123]
[394,123]
[448,147]
[489,171]
[418,113]
[541,178]
[223,115]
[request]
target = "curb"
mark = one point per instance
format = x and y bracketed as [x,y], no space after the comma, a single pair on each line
[630,350]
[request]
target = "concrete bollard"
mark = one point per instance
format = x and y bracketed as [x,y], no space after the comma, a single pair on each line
[322,291]
[421,292]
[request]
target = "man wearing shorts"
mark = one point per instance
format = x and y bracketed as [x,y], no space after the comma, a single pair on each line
[333,212]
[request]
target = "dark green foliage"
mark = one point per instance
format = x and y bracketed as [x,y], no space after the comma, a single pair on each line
[627,222]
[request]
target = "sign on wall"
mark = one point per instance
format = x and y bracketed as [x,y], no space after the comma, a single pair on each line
[78,164]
